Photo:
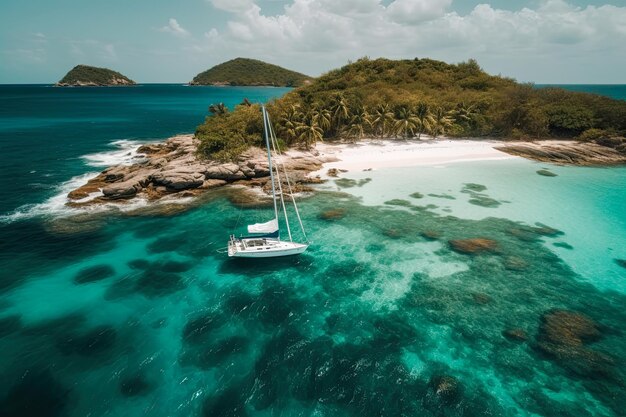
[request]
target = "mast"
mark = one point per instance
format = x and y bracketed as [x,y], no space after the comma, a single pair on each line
[269,158]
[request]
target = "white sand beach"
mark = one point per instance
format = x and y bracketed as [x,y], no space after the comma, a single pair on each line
[376,154]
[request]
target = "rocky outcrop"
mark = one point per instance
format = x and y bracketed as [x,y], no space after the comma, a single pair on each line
[173,168]
[473,246]
[566,152]
[565,335]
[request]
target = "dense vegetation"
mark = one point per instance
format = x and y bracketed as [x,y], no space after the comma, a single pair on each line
[408,98]
[84,74]
[243,71]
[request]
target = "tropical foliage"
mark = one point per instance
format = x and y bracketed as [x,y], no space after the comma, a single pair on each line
[224,135]
[411,98]
[87,74]
[243,71]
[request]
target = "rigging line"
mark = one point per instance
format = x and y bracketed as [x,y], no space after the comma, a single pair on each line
[269,158]
[280,187]
[293,200]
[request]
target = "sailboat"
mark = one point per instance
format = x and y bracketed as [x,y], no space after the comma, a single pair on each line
[264,240]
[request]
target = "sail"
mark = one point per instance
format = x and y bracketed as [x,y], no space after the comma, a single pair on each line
[267,227]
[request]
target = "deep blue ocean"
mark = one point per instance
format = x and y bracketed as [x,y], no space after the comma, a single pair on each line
[140,314]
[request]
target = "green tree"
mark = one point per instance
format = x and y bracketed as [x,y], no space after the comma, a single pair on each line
[309,132]
[442,121]
[340,111]
[382,118]
[218,109]
[423,114]
[406,123]
[322,117]
[288,123]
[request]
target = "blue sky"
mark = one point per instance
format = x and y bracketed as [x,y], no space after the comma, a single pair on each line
[544,41]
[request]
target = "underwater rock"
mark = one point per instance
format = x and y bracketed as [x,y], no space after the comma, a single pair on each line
[523,233]
[430,234]
[93,342]
[444,196]
[158,283]
[567,328]
[481,298]
[484,201]
[515,334]
[221,350]
[398,202]
[563,336]
[515,263]
[248,199]
[445,389]
[546,173]
[346,183]
[37,394]
[563,245]
[172,266]
[198,328]
[332,214]
[134,385]
[543,230]
[393,233]
[473,246]
[228,403]
[138,264]
[621,262]
[93,274]
[417,195]
[472,187]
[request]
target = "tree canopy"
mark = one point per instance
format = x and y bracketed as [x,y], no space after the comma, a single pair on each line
[244,71]
[409,98]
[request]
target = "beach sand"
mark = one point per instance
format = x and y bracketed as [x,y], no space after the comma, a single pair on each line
[377,154]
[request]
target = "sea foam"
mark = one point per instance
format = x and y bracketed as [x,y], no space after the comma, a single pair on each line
[125,153]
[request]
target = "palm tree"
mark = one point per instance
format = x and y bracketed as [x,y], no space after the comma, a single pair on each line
[356,127]
[322,117]
[309,132]
[442,120]
[218,109]
[340,111]
[381,118]
[406,122]
[465,115]
[422,112]
[289,121]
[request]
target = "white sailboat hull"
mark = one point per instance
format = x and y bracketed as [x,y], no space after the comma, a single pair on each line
[263,248]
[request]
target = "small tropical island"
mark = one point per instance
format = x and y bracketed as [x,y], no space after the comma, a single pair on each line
[88,76]
[250,72]
[417,110]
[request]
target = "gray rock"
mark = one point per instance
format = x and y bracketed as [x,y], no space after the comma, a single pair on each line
[178,180]
[118,190]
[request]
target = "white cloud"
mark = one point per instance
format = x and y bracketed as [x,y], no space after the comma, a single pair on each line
[415,11]
[313,36]
[175,29]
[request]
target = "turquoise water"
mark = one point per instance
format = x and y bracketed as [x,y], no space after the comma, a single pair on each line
[119,315]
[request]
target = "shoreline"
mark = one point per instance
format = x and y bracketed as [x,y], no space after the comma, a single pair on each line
[372,154]
[160,174]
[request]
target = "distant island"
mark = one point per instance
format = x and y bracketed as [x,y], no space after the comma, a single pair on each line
[86,76]
[250,72]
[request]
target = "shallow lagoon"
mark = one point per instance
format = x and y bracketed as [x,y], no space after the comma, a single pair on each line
[143,315]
